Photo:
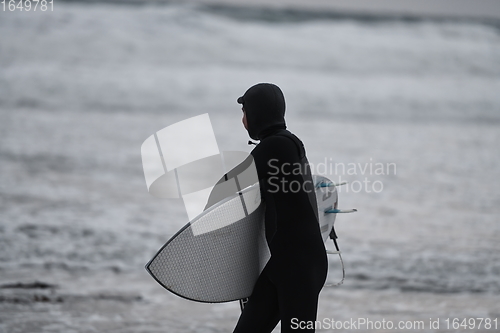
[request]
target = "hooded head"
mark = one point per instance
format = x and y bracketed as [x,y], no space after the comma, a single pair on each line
[264,106]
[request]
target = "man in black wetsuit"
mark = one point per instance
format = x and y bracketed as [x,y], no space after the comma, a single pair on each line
[288,287]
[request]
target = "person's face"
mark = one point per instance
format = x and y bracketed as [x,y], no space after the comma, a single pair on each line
[244,120]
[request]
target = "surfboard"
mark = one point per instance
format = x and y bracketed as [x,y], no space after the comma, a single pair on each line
[327,200]
[218,256]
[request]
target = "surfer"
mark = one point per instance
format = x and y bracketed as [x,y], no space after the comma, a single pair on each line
[288,288]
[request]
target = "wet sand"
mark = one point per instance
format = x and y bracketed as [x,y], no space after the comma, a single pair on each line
[132,302]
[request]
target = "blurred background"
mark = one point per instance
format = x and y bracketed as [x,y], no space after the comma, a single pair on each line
[414,85]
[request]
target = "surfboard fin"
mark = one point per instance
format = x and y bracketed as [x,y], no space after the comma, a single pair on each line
[335,211]
[323,184]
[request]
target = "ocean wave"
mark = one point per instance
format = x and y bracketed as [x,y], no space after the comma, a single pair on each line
[293,14]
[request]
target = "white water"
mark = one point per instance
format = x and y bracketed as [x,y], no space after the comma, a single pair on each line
[83,86]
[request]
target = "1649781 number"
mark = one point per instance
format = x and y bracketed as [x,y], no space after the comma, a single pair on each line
[472,323]
[27,5]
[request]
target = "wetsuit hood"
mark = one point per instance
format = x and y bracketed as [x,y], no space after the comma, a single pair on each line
[264,106]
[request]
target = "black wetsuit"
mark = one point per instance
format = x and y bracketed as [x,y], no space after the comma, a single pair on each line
[289,285]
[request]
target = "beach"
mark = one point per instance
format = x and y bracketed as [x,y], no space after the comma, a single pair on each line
[406,110]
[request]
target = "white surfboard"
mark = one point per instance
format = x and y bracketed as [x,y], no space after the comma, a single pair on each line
[218,256]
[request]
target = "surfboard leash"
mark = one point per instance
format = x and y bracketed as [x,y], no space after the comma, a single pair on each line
[334,237]
[243,302]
